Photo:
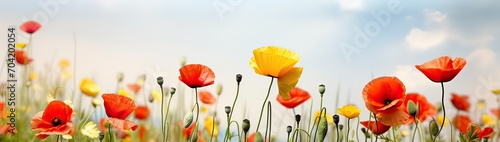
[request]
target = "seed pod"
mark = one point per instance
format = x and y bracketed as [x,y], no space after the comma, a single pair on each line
[238,78]
[321,89]
[322,128]
[258,137]
[412,109]
[159,80]
[188,119]
[246,125]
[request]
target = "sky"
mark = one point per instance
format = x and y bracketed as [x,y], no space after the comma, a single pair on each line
[342,44]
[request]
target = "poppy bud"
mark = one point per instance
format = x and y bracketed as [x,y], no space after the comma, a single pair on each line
[433,128]
[227,109]
[101,136]
[188,119]
[151,98]
[367,135]
[322,128]
[159,80]
[194,138]
[246,125]
[120,77]
[412,109]
[258,137]
[297,118]
[336,119]
[172,91]
[219,89]
[183,61]
[238,78]
[289,129]
[96,102]
[321,89]
[439,107]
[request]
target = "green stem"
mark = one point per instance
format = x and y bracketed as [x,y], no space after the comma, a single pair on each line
[213,127]
[232,109]
[109,132]
[420,131]
[347,135]
[444,111]
[414,132]
[264,104]
[357,129]
[166,117]
[197,111]
[162,123]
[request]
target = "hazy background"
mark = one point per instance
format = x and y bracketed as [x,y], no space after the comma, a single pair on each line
[150,36]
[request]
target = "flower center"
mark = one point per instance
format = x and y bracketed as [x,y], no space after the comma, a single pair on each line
[56,121]
[387,101]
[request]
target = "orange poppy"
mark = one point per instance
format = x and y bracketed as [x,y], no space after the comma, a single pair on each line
[461,122]
[376,128]
[251,137]
[142,132]
[21,57]
[54,120]
[206,97]
[496,112]
[425,109]
[134,87]
[117,108]
[442,69]
[384,96]
[142,112]
[297,97]
[2,112]
[485,133]
[460,102]
[196,75]
[7,129]
[30,27]
[187,131]
[102,125]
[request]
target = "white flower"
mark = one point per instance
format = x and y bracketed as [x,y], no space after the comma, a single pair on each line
[90,130]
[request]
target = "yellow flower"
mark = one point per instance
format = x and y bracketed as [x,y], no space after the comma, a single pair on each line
[329,118]
[127,139]
[96,102]
[208,126]
[440,120]
[20,45]
[64,63]
[89,88]
[65,75]
[488,120]
[405,133]
[349,111]
[480,104]
[277,62]
[125,93]
[496,91]
[32,76]
[204,109]
[50,98]
[156,95]
[90,130]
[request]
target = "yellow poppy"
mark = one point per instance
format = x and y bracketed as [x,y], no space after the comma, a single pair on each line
[480,104]
[64,63]
[156,95]
[488,120]
[496,91]
[208,126]
[440,120]
[204,109]
[277,62]
[89,88]
[349,111]
[329,118]
[125,93]
[20,45]
[32,76]
[90,130]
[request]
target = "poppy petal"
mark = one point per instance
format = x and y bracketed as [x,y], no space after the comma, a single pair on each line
[392,118]
[122,124]
[273,61]
[196,75]
[297,97]
[206,97]
[397,102]
[118,106]
[376,128]
[442,69]
[288,82]
[485,133]
[57,109]
[30,27]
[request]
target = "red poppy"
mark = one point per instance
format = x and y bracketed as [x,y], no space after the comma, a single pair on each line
[251,137]
[425,109]
[54,120]
[485,133]
[496,112]
[187,131]
[102,125]
[142,112]
[377,129]
[196,75]
[297,97]
[142,131]
[117,108]
[134,87]
[30,27]
[384,96]
[462,122]
[442,69]
[460,102]
[2,112]
[21,57]
[206,97]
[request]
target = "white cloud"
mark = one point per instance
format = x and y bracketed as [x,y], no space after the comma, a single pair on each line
[483,56]
[350,4]
[436,16]
[411,77]
[419,39]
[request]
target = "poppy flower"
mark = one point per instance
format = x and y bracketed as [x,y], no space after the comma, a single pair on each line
[297,97]
[89,88]
[142,112]
[134,87]
[90,130]
[485,133]
[206,97]
[21,57]
[30,27]
[488,120]
[117,109]
[251,137]
[384,96]
[496,112]
[460,102]
[196,75]
[142,131]
[442,69]
[462,122]
[477,132]
[349,111]
[189,130]
[279,63]
[2,112]
[211,125]
[329,118]
[376,128]
[54,120]
[440,120]
[425,109]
